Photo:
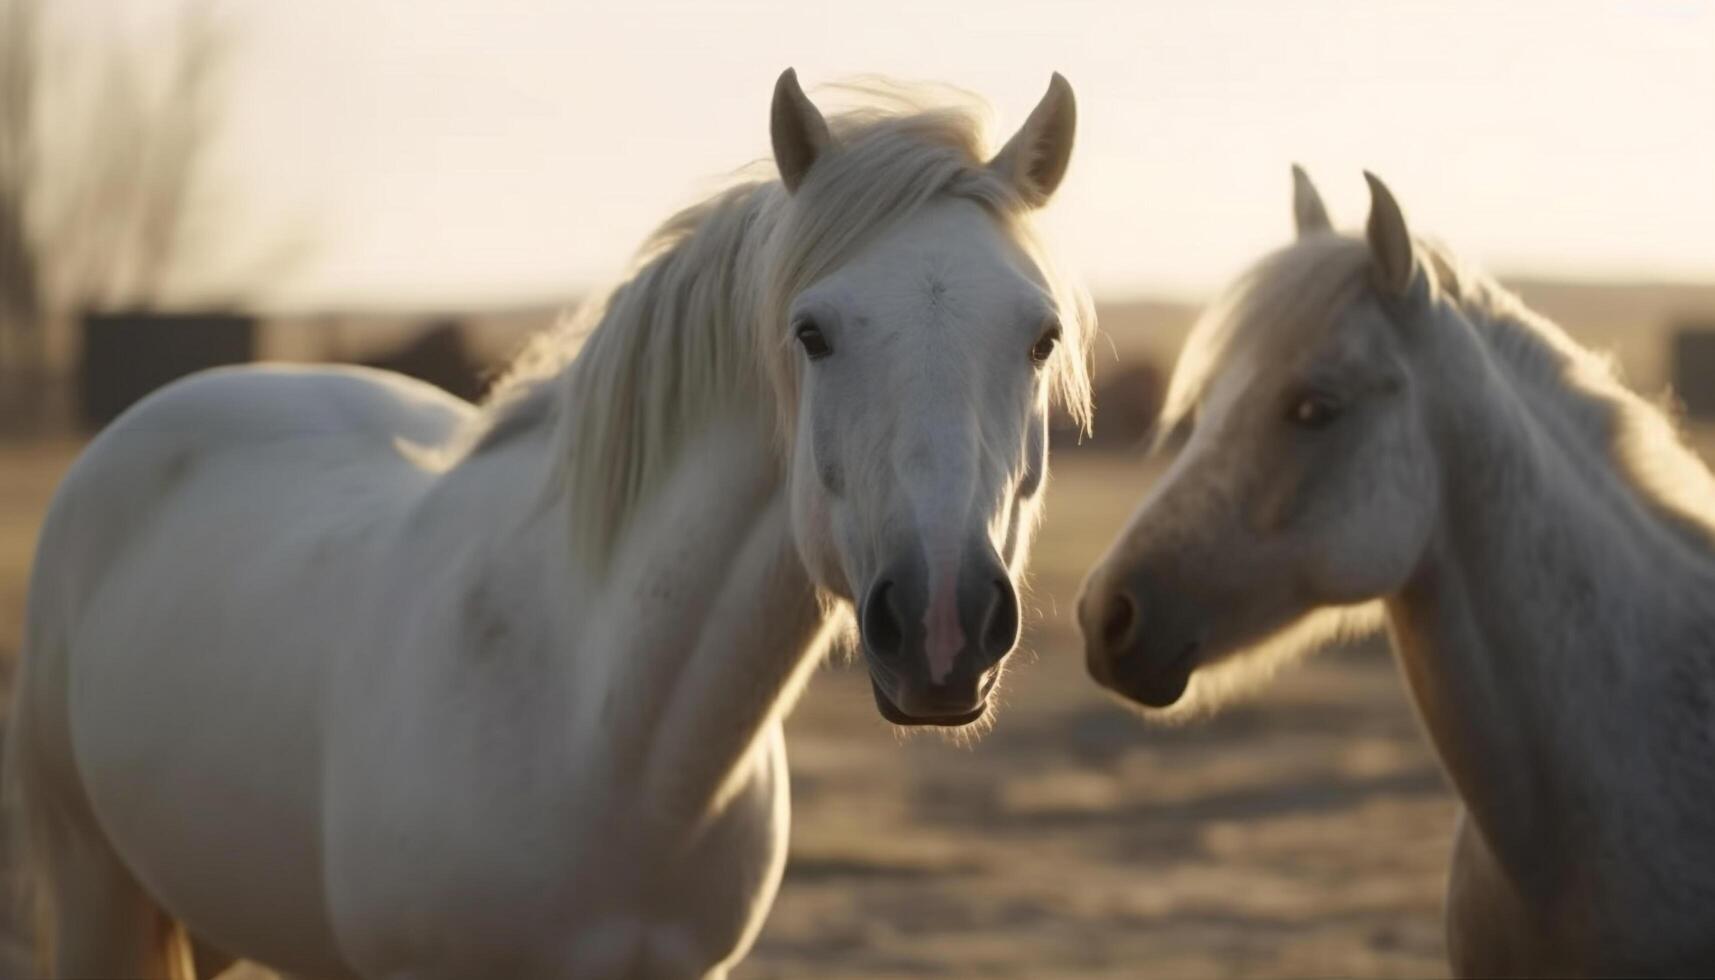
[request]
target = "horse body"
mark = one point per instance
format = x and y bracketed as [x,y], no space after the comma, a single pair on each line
[342,847]
[333,672]
[206,479]
[1376,430]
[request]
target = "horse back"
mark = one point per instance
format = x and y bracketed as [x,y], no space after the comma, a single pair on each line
[245,405]
[255,454]
[298,422]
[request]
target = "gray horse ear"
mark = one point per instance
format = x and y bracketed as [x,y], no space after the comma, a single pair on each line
[1308,213]
[1034,161]
[1392,254]
[800,133]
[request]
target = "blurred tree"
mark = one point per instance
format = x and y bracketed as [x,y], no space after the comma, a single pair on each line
[103,170]
[20,288]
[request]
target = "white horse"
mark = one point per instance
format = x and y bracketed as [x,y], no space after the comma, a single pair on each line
[1368,420]
[332,672]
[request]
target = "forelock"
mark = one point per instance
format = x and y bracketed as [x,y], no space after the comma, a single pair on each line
[1280,305]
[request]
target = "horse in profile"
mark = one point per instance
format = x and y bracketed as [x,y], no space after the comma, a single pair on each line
[331,671]
[1374,430]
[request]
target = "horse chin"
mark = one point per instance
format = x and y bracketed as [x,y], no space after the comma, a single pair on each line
[894,714]
[1154,686]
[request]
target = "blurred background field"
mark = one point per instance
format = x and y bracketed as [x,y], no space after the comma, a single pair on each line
[424,186]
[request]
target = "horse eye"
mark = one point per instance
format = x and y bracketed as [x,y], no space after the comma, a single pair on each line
[810,338]
[1045,344]
[1313,412]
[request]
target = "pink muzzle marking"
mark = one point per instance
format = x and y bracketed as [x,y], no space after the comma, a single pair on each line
[941,627]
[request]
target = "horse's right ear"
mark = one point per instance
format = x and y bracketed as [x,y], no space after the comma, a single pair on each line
[1034,161]
[1392,252]
[799,131]
[1307,210]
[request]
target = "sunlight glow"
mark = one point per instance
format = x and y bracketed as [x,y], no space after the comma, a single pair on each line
[473,151]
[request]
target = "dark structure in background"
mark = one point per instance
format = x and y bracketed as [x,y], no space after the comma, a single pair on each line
[1128,399]
[127,355]
[440,356]
[1694,369]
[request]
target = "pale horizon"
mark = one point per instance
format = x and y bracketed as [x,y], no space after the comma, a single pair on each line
[492,154]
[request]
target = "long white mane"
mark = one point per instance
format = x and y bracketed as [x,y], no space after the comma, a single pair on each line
[701,323]
[1642,437]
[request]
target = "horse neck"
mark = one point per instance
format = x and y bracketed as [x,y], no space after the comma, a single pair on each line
[677,515]
[657,521]
[672,661]
[710,622]
[1540,628]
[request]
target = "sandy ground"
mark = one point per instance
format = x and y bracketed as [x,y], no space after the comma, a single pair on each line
[1303,833]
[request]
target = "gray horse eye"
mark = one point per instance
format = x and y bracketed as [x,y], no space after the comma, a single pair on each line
[1045,344]
[1313,411]
[810,338]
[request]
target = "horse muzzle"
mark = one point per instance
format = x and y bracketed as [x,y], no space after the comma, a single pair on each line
[934,648]
[1148,659]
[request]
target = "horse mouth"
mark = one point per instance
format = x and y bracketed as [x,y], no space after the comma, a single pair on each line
[955,719]
[1155,685]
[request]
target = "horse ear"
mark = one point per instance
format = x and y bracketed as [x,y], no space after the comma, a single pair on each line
[1391,250]
[800,133]
[1307,210]
[1034,161]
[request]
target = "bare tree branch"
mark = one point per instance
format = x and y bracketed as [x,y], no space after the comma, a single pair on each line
[104,163]
[20,299]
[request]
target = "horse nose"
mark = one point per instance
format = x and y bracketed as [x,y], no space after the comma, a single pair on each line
[970,618]
[997,620]
[881,621]
[1108,617]
[1118,619]
[1141,641]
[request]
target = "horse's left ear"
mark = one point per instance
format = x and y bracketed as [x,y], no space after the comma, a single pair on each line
[1392,253]
[1308,212]
[800,133]
[1034,161]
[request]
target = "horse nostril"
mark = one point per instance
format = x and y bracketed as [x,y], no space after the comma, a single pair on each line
[883,632]
[1118,619]
[1000,631]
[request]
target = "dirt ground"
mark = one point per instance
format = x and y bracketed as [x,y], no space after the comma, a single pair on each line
[1303,833]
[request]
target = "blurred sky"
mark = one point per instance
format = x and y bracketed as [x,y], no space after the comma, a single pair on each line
[441,152]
